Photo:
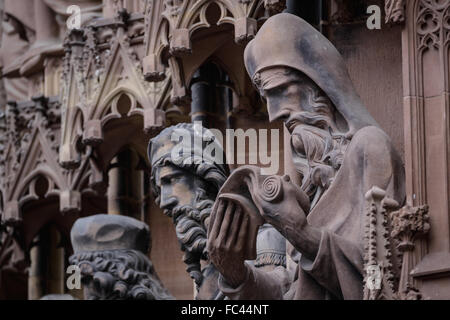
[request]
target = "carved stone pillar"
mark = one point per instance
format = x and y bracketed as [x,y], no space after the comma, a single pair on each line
[35,275]
[427,134]
[208,91]
[294,7]
[56,272]
[125,185]
[201,97]
[46,273]
[311,11]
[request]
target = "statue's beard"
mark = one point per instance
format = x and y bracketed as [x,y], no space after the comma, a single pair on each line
[191,223]
[190,226]
[318,152]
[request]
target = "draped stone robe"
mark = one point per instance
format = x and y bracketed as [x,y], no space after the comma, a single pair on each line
[337,271]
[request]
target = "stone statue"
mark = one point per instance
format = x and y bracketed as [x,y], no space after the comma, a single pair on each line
[340,152]
[186,187]
[111,252]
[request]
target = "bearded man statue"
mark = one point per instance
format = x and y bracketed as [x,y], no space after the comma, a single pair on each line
[339,150]
[111,253]
[185,185]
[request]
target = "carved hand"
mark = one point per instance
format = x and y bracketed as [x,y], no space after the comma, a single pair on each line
[284,205]
[226,242]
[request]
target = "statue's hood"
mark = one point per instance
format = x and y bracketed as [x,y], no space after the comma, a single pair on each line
[287,40]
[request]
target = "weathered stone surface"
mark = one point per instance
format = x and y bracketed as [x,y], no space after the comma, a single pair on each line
[185,188]
[109,232]
[341,154]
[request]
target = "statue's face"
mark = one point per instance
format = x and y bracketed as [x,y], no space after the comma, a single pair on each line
[96,287]
[287,93]
[184,197]
[178,187]
[311,119]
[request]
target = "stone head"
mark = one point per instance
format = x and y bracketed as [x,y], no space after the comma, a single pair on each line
[297,69]
[186,178]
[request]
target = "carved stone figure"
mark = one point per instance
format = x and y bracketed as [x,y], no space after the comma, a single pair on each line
[341,154]
[111,252]
[186,188]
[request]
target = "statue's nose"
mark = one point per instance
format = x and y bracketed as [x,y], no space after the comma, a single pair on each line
[167,201]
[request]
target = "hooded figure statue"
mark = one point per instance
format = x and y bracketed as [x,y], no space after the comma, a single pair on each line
[339,150]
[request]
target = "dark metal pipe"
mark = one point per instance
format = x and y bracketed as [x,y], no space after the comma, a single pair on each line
[310,11]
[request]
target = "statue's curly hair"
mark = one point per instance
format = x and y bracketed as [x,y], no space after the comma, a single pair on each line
[119,275]
[214,174]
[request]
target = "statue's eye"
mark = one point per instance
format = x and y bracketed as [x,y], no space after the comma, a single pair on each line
[175,178]
[170,180]
[275,90]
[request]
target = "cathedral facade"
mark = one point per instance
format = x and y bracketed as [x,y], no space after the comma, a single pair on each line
[84,90]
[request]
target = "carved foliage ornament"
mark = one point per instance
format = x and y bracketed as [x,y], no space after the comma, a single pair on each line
[390,234]
[409,224]
[395,11]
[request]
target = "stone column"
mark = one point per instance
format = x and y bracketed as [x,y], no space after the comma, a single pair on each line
[125,185]
[311,11]
[294,7]
[55,272]
[46,273]
[36,286]
[201,97]
[208,92]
